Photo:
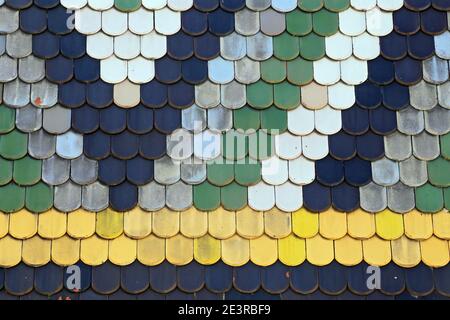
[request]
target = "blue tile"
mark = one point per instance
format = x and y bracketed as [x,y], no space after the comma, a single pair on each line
[345,197]
[87,69]
[154,94]
[194,71]
[221,22]
[381,70]
[421,46]
[207,46]
[316,197]
[167,70]
[392,279]
[140,119]
[73,45]
[219,277]
[406,21]
[167,119]
[33,20]
[304,278]
[206,5]
[140,171]
[99,94]
[358,172]
[329,171]
[383,121]
[106,278]
[152,145]
[393,46]
[59,69]
[357,279]
[180,46]
[163,277]
[48,279]
[191,277]
[181,95]
[434,21]
[125,145]
[59,19]
[72,94]
[355,120]
[111,171]
[275,278]
[135,278]
[194,22]
[419,280]
[395,96]
[342,145]
[18,4]
[97,145]
[370,146]
[19,280]
[113,119]
[45,45]
[247,279]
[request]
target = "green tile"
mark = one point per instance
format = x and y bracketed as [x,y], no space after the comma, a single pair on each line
[220,174]
[337,5]
[6,171]
[260,95]
[299,23]
[447,198]
[286,96]
[246,118]
[439,172]
[248,172]
[300,71]
[445,146]
[285,46]
[13,145]
[127,5]
[27,171]
[273,70]
[39,198]
[325,23]
[12,198]
[274,119]
[206,197]
[310,5]
[312,47]
[261,144]
[429,198]
[234,145]
[7,119]
[233,197]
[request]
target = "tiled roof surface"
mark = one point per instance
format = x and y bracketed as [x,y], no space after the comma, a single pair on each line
[204,138]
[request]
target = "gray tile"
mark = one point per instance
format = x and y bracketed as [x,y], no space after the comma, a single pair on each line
[247,71]
[95,197]
[435,70]
[437,121]
[207,95]
[400,198]
[247,22]
[194,118]
[2,44]
[193,171]
[179,196]
[233,47]
[29,119]
[413,172]
[31,69]
[397,146]
[258,5]
[180,144]
[55,170]
[152,197]
[444,95]
[426,146]
[83,171]
[69,145]
[8,68]
[259,47]
[167,171]
[233,95]
[16,94]
[272,22]
[19,44]
[385,172]
[44,94]
[41,145]
[9,20]
[57,119]
[373,198]
[423,96]
[220,119]
[410,121]
[67,197]
[1,92]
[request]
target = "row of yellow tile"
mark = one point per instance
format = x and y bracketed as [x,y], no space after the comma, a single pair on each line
[221,224]
[235,251]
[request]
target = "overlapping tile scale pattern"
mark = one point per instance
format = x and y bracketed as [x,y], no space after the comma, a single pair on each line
[222,137]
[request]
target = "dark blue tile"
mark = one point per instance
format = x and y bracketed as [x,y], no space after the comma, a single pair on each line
[106,278]
[180,295]
[99,94]
[2,278]
[45,45]
[421,46]
[120,295]
[181,95]
[358,172]
[392,279]
[154,94]
[342,145]
[333,278]
[441,4]
[368,95]
[125,145]
[345,197]
[73,45]
[59,19]
[167,119]
[304,278]
[434,21]
[113,119]
[383,121]
[194,22]
[395,96]
[316,197]
[87,69]
[33,20]
[206,5]
[140,171]
[408,71]
[417,5]
[393,46]
[419,280]
[18,4]
[167,70]
[330,171]
[72,94]
[19,280]
[207,295]
[140,119]
[275,278]
[358,277]
[135,278]
[194,71]
[355,120]
[59,69]
[48,279]
[219,277]
[381,70]
[232,5]
[221,22]
[151,295]
[442,280]
[180,46]
[370,146]
[247,279]
[163,277]
[152,145]
[406,21]
[112,171]
[207,46]
[191,277]
[75,283]
[97,145]
[46,4]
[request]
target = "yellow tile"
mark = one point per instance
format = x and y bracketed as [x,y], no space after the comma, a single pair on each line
[65,251]
[94,250]
[11,252]
[406,252]
[122,250]
[137,223]
[4,224]
[389,225]
[81,224]
[235,251]
[249,223]
[193,223]
[361,224]
[52,224]
[292,250]
[221,223]
[435,252]
[441,224]
[319,251]
[348,251]
[166,223]
[179,250]
[305,224]
[207,250]
[376,251]
[151,250]
[418,225]
[277,224]
[264,251]
[109,224]
[23,224]
[36,251]
[332,224]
